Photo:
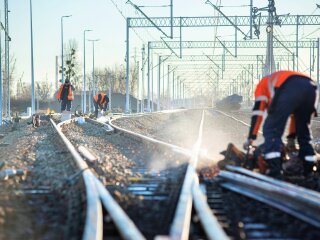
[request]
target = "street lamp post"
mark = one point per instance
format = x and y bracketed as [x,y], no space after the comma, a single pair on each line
[93,83]
[32,66]
[62,63]
[84,104]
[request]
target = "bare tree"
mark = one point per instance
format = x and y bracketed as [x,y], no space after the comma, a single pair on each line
[72,65]
[43,90]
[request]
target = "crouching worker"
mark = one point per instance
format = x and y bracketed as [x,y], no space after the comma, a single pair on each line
[283,94]
[101,101]
[65,95]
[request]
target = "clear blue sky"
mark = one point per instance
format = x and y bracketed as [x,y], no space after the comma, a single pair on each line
[108,25]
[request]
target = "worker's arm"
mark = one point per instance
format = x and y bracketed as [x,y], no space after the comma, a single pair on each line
[99,101]
[260,105]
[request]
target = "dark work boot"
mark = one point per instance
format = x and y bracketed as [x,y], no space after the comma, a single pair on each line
[274,167]
[308,168]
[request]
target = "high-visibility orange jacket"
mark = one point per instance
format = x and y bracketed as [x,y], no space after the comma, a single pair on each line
[101,98]
[70,92]
[265,93]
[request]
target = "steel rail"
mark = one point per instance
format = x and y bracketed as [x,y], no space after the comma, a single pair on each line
[96,194]
[190,191]
[93,223]
[287,200]
[303,192]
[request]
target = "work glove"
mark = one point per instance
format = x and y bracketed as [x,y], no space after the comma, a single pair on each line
[247,144]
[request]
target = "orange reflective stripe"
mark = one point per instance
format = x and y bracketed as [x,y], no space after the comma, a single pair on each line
[278,78]
[59,93]
[70,94]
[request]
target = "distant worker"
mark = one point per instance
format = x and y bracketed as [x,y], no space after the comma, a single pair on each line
[101,101]
[284,94]
[65,95]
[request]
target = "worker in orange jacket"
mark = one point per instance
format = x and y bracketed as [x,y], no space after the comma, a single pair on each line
[65,95]
[284,94]
[100,100]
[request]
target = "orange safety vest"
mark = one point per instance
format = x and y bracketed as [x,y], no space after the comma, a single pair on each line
[70,93]
[102,98]
[266,87]
[264,94]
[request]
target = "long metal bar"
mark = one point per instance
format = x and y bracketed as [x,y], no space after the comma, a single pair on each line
[32,66]
[228,44]
[7,56]
[318,64]
[158,89]
[219,21]
[205,57]
[127,107]
[181,221]
[233,23]
[93,226]
[287,200]
[1,81]
[297,40]
[84,104]
[168,87]
[148,92]
[142,78]
[152,86]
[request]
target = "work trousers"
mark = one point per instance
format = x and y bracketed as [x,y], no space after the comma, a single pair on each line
[65,104]
[296,96]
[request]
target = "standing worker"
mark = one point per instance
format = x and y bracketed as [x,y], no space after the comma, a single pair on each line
[100,100]
[65,95]
[284,94]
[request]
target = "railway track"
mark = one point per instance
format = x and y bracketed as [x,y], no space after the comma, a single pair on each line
[192,216]
[42,199]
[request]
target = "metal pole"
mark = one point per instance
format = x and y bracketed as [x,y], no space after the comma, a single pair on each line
[8,55]
[158,98]
[171,15]
[318,63]
[5,92]
[138,86]
[236,38]
[62,61]
[297,39]
[110,94]
[251,20]
[152,106]
[127,108]
[163,96]
[310,59]
[172,102]
[168,88]
[32,64]
[84,103]
[93,75]
[93,80]
[1,83]
[180,39]
[142,79]
[148,93]
[57,73]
